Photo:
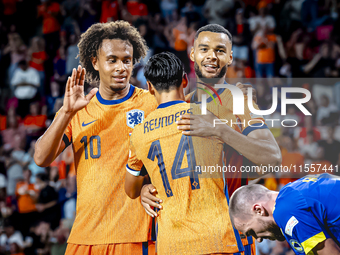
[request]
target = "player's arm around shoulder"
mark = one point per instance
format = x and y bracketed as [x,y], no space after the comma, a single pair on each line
[326,247]
[51,143]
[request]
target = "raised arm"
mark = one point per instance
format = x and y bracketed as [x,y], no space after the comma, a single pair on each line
[51,143]
[259,146]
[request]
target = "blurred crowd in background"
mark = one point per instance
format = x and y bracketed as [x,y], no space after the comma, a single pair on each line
[281,41]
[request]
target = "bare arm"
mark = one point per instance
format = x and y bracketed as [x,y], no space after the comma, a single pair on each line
[51,143]
[134,184]
[327,247]
[307,68]
[249,146]
[281,48]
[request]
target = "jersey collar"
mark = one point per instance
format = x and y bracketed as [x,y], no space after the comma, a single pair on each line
[117,101]
[167,104]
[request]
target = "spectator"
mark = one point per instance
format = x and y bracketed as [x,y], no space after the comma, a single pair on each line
[134,10]
[60,65]
[157,26]
[72,61]
[313,14]
[61,235]
[302,133]
[109,11]
[241,37]
[38,56]
[167,8]
[292,157]
[10,236]
[38,239]
[26,195]
[264,43]
[67,199]
[14,173]
[17,50]
[49,10]
[54,180]
[15,249]
[47,201]
[263,20]
[178,41]
[88,14]
[216,11]
[3,186]
[25,84]
[9,11]
[69,10]
[51,99]
[191,12]
[19,154]
[57,105]
[35,122]
[32,165]
[13,128]
[327,113]
[331,147]
[324,64]
[310,150]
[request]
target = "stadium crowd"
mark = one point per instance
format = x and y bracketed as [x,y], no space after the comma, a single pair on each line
[280,40]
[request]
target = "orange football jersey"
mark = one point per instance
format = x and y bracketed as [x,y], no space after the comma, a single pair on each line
[195,218]
[99,134]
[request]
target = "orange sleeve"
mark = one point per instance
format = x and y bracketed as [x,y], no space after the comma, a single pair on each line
[134,164]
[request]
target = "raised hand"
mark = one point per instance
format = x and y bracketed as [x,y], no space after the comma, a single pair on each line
[75,98]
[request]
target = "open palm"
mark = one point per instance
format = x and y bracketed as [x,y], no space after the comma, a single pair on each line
[75,99]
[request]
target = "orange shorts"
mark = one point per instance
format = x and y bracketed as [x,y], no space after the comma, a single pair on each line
[112,249]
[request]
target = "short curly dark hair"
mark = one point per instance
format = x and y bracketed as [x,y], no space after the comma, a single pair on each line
[91,41]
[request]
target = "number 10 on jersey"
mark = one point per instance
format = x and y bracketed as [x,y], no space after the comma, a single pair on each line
[93,139]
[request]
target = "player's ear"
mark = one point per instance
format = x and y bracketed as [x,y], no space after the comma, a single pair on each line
[192,54]
[185,80]
[259,210]
[94,61]
[150,88]
[231,58]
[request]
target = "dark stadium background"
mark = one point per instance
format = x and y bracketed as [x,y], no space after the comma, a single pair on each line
[38,49]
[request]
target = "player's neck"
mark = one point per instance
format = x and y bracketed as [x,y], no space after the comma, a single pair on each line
[172,95]
[271,202]
[108,93]
[211,82]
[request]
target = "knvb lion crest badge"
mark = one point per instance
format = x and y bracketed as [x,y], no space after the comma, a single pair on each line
[134,117]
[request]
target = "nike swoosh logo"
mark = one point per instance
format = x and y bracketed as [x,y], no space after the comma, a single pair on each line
[84,125]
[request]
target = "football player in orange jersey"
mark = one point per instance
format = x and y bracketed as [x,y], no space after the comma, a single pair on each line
[98,127]
[212,54]
[203,226]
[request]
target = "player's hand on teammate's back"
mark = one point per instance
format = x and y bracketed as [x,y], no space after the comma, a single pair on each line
[244,88]
[148,199]
[75,98]
[199,125]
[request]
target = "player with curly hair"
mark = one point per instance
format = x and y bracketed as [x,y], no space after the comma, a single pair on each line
[98,127]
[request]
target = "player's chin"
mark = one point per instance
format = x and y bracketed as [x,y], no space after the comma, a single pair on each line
[116,86]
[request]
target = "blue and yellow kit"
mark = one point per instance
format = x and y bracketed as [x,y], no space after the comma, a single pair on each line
[308,211]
